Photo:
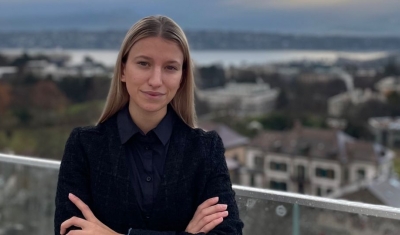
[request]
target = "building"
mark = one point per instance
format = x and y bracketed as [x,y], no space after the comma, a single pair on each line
[242,98]
[388,85]
[379,192]
[45,69]
[314,161]
[338,104]
[6,71]
[235,149]
[386,130]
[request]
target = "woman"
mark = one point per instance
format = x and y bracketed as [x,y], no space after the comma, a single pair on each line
[145,168]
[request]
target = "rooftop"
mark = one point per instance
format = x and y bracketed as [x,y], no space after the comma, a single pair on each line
[229,137]
[320,143]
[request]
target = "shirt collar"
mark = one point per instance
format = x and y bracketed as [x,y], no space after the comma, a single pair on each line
[128,128]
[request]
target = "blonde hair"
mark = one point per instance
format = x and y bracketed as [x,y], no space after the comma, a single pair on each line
[166,28]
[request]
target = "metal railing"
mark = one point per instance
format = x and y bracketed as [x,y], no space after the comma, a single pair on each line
[263,211]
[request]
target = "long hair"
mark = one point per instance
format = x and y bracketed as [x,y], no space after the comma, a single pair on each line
[166,28]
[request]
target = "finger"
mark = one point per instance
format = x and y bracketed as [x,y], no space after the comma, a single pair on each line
[214,209]
[208,203]
[207,219]
[210,226]
[73,221]
[87,213]
[76,232]
[200,214]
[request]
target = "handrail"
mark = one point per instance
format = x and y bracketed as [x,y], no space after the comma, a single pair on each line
[30,161]
[256,193]
[319,202]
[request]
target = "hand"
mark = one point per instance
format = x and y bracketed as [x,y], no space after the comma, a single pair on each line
[90,226]
[207,216]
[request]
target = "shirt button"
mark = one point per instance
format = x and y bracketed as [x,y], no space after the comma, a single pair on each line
[148,179]
[147,217]
[147,148]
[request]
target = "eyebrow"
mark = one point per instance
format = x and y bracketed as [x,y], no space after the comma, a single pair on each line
[149,58]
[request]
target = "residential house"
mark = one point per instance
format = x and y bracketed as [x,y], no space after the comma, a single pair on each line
[338,104]
[386,130]
[313,161]
[242,98]
[388,85]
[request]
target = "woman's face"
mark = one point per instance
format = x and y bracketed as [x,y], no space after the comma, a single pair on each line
[153,73]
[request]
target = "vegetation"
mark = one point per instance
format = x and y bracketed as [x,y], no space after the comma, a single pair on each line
[38,113]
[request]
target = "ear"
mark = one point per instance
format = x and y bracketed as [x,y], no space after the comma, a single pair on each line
[123,79]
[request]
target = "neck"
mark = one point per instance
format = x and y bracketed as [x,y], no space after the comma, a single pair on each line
[146,121]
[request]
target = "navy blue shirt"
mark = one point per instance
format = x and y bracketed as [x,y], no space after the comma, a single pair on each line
[146,155]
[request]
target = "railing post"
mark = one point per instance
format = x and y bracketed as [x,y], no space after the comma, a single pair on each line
[296,215]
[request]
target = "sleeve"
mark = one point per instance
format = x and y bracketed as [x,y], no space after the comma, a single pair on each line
[73,178]
[219,184]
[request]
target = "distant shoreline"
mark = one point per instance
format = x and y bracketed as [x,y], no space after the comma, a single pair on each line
[223,57]
[204,40]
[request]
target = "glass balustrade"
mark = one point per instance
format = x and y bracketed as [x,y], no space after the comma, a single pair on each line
[28,185]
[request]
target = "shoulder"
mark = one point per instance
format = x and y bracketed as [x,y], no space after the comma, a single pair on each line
[210,140]
[203,135]
[85,134]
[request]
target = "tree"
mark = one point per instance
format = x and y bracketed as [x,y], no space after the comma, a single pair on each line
[392,68]
[5,97]
[282,101]
[46,96]
[3,61]
[276,121]
[98,88]
[211,76]
[201,106]
[75,88]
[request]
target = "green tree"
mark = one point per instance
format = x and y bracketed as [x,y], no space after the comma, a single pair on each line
[211,76]
[282,101]
[276,121]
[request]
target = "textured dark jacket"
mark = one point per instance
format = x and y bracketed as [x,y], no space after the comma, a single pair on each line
[95,168]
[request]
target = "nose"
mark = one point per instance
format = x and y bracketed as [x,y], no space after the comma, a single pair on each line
[155,79]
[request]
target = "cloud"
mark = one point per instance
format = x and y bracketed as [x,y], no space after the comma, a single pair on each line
[284,4]
[368,5]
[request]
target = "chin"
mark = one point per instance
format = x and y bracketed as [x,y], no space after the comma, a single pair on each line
[153,107]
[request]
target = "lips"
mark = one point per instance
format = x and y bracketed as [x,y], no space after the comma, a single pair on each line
[153,93]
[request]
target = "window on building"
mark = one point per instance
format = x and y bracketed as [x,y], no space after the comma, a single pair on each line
[252,180]
[324,173]
[278,185]
[360,174]
[301,172]
[319,191]
[258,162]
[329,191]
[278,166]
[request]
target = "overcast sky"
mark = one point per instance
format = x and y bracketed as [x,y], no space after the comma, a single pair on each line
[372,17]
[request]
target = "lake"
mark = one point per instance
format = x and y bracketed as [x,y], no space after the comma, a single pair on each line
[226,58]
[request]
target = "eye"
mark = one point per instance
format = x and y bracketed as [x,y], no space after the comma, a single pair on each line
[170,67]
[143,63]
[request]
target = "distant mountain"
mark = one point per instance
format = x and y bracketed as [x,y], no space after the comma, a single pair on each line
[201,40]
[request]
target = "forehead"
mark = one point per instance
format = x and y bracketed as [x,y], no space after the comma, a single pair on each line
[157,48]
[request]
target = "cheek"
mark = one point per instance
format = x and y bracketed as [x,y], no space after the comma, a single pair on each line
[174,82]
[135,77]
